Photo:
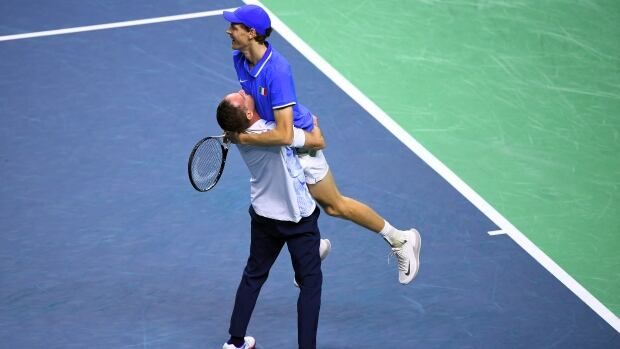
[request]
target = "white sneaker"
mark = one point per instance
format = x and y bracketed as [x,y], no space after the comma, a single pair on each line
[408,256]
[324,248]
[250,343]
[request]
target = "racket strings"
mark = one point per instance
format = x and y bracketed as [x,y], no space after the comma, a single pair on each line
[207,164]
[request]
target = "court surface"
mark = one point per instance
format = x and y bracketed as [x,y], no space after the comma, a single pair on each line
[519,98]
[106,245]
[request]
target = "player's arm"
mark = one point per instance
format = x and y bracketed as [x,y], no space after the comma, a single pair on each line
[314,139]
[282,134]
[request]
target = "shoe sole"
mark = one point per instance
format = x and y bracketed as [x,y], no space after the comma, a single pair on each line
[416,252]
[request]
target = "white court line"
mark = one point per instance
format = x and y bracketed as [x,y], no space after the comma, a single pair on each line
[391,126]
[497,232]
[505,226]
[113,25]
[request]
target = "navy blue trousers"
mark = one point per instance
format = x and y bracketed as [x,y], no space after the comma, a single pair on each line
[268,238]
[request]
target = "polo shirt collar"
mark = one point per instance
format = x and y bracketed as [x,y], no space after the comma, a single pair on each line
[261,63]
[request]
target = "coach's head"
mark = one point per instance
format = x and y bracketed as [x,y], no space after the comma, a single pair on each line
[236,112]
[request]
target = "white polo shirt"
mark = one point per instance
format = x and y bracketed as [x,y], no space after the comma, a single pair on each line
[278,185]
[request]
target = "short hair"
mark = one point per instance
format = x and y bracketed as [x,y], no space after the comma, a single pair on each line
[259,38]
[262,38]
[231,118]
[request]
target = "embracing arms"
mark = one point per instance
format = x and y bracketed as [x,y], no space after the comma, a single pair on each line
[283,134]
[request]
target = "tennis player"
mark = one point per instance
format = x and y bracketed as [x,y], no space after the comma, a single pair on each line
[266,75]
[282,211]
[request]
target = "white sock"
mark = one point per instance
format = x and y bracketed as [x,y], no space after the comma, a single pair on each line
[391,235]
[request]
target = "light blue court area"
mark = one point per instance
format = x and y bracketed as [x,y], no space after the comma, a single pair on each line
[104,243]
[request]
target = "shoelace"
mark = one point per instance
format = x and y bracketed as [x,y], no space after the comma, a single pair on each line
[398,253]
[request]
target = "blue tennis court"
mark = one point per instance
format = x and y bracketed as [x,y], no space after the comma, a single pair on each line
[105,244]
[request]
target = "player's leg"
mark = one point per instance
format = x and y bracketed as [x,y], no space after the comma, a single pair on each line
[326,193]
[405,244]
[324,190]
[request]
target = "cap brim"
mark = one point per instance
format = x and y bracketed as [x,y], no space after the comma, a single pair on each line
[230,16]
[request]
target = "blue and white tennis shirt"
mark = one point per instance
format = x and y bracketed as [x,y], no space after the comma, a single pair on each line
[270,83]
[278,184]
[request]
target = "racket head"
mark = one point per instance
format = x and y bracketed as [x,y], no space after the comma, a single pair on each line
[206,162]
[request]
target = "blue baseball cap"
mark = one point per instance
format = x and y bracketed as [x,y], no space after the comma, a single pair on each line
[252,16]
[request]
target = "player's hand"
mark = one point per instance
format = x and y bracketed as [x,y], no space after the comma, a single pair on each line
[314,138]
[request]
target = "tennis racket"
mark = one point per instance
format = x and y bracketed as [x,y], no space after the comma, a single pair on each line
[206,162]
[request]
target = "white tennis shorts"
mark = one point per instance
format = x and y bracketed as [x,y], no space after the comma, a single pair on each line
[315,166]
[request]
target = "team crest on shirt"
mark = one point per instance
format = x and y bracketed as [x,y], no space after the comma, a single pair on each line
[262,91]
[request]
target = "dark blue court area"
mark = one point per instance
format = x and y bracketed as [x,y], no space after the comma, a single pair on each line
[105,244]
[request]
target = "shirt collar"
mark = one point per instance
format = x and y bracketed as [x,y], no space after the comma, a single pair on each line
[261,63]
